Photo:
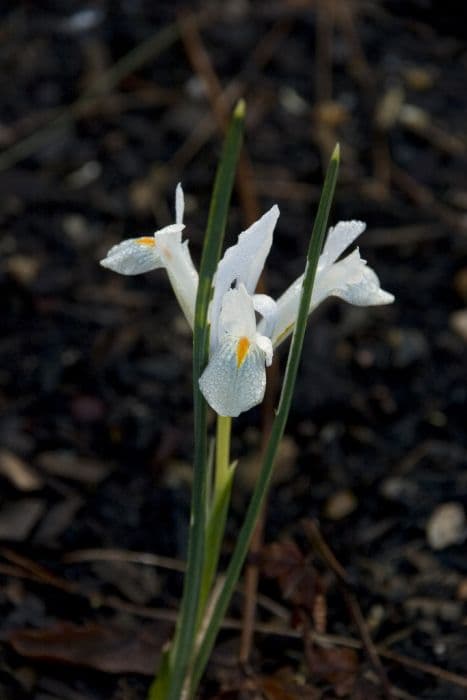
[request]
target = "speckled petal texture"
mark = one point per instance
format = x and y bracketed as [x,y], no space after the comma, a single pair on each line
[230,389]
[132,258]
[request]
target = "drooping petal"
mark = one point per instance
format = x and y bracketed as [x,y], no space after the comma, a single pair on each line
[164,249]
[242,263]
[338,239]
[353,281]
[133,256]
[183,276]
[179,204]
[349,279]
[235,378]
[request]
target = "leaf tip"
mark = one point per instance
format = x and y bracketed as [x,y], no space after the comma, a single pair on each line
[240,109]
[336,154]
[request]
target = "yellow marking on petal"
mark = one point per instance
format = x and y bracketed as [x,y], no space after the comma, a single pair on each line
[243,346]
[146,240]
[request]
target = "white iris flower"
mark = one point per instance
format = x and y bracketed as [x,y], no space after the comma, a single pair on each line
[164,249]
[241,347]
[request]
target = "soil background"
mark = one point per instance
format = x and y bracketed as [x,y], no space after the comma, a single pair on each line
[104,107]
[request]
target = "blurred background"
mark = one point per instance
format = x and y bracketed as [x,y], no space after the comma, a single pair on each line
[104,107]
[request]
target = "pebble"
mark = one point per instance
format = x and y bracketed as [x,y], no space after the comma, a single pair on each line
[446,526]
[23,268]
[20,474]
[409,346]
[458,323]
[340,505]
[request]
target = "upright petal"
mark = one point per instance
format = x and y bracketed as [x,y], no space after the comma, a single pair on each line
[235,378]
[133,256]
[237,317]
[242,263]
[267,308]
[338,239]
[179,204]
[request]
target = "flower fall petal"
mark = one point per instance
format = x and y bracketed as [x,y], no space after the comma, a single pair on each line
[235,377]
[133,256]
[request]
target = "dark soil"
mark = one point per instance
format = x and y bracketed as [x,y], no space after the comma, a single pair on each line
[95,369]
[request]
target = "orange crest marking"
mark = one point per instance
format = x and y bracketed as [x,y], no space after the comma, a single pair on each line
[146,240]
[243,346]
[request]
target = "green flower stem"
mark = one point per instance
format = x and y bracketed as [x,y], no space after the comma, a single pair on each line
[259,494]
[223,479]
[222,475]
[176,664]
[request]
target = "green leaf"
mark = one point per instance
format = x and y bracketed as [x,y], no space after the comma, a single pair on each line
[173,674]
[259,494]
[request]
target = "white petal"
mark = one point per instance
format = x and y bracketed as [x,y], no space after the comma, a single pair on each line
[179,204]
[237,314]
[243,262]
[267,308]
[133,256]
[287,309]
[354,282]
[174,230]
[183,276]
[229,388]
[338,239]
[265,345]
[349,279]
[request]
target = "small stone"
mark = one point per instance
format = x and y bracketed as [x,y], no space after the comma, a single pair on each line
[23,268]
[458,323]
[85,175]
[389,107]
[399,489]
[462,590]
[419,78]
[446,526]
[331,114]
[340,505]
[67,465]
[409,346]
[20,474]
[19,518]
[77,229]
[292,102]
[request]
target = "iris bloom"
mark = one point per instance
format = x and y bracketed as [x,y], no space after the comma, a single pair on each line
[241,346]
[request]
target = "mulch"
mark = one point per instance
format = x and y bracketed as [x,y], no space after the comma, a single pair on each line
[363,572]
